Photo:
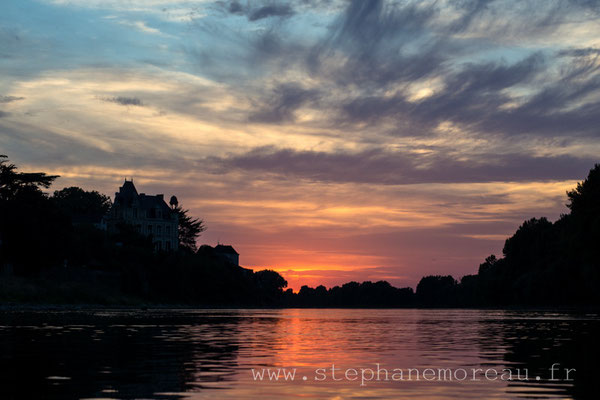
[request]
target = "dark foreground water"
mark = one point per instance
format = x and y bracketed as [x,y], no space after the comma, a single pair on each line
[173,354]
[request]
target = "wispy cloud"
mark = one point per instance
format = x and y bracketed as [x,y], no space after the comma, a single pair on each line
[282,102]
[124,101]
[259,12]
[9,99]
[142,27]
[403,167]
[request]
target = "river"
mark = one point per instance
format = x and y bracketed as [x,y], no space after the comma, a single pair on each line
[299,353]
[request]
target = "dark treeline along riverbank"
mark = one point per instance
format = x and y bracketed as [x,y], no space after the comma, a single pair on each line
[49,254]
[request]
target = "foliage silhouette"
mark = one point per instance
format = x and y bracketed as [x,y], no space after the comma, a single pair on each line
[81,206]
[189,228]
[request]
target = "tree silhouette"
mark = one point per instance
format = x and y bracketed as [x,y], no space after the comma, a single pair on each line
[189,229]
[12,183]
[33,233]
[81,205]
[585,198]
[437,290]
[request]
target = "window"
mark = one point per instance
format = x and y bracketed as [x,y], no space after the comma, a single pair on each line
[158,230]
[168,230]
[135,213]
[168,246]
[149,228]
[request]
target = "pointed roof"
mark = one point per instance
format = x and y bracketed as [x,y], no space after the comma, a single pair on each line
[126,194]
[128,189]
[225,249]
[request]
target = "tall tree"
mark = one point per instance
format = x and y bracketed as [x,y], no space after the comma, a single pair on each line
[190,229]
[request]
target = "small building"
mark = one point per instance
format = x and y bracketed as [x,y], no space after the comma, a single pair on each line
[228,253]
[220,252]
[148,214]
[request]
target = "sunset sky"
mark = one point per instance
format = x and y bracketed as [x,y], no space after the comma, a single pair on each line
[328,140]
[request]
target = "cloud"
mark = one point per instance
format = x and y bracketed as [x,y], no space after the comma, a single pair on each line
[372,44]
[581,52]
[9,99]
[368,59]
[261,12]
[235,7]
[478,98]
[142,27]
[282,103]
[125,101]
[4,114]
[379,166]
[272,10]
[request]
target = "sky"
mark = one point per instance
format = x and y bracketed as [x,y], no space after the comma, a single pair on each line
[329,140]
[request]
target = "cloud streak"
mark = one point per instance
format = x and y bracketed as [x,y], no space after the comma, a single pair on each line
[379,166]
[9,99]
[125,101]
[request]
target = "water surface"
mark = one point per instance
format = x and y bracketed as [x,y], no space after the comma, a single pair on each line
[185,354]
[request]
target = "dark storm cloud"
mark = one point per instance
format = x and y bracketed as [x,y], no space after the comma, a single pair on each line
[9,99]
[383,167]
[125,101]
[281,104]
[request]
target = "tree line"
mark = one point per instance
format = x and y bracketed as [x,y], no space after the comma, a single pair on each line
[543,264]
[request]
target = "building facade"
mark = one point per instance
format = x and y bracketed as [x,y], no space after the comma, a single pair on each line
[148,214]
